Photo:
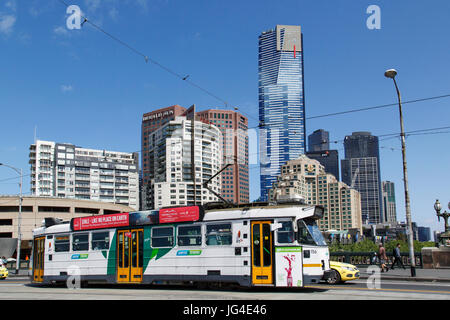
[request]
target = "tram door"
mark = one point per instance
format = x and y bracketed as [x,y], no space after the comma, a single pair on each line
[130,255]
[262,261]
[38,259]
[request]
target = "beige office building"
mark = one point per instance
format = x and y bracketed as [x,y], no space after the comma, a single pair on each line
[306,179]
[35,209]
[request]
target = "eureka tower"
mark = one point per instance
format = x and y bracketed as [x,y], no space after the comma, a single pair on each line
[281,101]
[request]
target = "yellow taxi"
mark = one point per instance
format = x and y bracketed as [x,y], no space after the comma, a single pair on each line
[341,272]
[3,273]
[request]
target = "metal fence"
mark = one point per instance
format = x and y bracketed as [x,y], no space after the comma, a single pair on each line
[366,258]
[24,265]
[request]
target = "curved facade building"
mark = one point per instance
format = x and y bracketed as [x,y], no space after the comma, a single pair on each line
[281,101]
[170,164]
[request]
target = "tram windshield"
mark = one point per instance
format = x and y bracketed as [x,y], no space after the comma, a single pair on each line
[309,233]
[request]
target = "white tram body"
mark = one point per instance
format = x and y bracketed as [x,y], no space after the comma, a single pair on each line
[263,245]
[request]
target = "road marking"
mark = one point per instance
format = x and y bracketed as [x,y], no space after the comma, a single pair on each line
[381,289]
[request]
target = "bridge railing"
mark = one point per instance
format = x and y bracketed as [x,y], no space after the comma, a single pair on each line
[364,259]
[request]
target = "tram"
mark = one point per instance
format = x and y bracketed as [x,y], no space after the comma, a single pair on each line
[250,245]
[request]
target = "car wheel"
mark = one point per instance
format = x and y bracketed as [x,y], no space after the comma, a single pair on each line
[334,277]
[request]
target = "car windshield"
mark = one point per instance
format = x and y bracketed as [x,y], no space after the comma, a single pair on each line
[309,233]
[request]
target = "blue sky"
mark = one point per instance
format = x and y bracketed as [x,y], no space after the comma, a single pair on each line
[81,87]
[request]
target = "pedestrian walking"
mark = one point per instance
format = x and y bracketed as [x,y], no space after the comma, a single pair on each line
[397,257]
[374,258]
[383,258]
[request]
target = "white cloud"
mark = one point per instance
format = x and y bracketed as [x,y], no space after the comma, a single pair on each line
[142,4]
[61,31]
[12,5]
[7,23]
[92,5]
[113,13]
[25,38]
[66,88]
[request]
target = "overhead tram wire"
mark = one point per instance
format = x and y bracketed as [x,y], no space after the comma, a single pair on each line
[386,136]
[147,59]
[185,78]
[377,107]
[261,125]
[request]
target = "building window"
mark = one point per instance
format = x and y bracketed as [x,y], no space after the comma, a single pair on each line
[6,222]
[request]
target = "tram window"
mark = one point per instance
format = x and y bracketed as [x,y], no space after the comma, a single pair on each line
[80,242]
[62,243]
[162,237]
[304,237]
[100,240]
[286,233]
[219,234]
[189,236]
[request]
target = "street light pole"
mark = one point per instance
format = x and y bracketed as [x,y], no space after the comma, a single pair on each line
[391,73]
[19,222]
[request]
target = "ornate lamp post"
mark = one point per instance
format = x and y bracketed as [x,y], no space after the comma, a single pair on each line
[444,238]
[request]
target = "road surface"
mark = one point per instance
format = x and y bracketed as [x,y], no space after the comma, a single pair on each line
[21,289]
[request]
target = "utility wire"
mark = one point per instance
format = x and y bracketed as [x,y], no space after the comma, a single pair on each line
[147,59]
[185,78]
[377,107]
[352,111]
[7,179]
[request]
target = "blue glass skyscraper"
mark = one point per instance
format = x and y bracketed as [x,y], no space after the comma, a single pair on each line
[281,101]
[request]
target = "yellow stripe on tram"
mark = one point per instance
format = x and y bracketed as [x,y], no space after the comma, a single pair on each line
[312,265]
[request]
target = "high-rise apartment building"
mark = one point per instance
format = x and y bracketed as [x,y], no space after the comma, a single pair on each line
[234,129]
[172,180]
[65,170]
[152,121]
[389,207]
[306,179]
[361,170]
[281,101]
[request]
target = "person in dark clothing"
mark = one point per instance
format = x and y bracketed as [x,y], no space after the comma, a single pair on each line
[397,257]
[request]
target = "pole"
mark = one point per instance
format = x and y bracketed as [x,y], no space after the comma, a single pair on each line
[405,182]
[19,222]
[19,236]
